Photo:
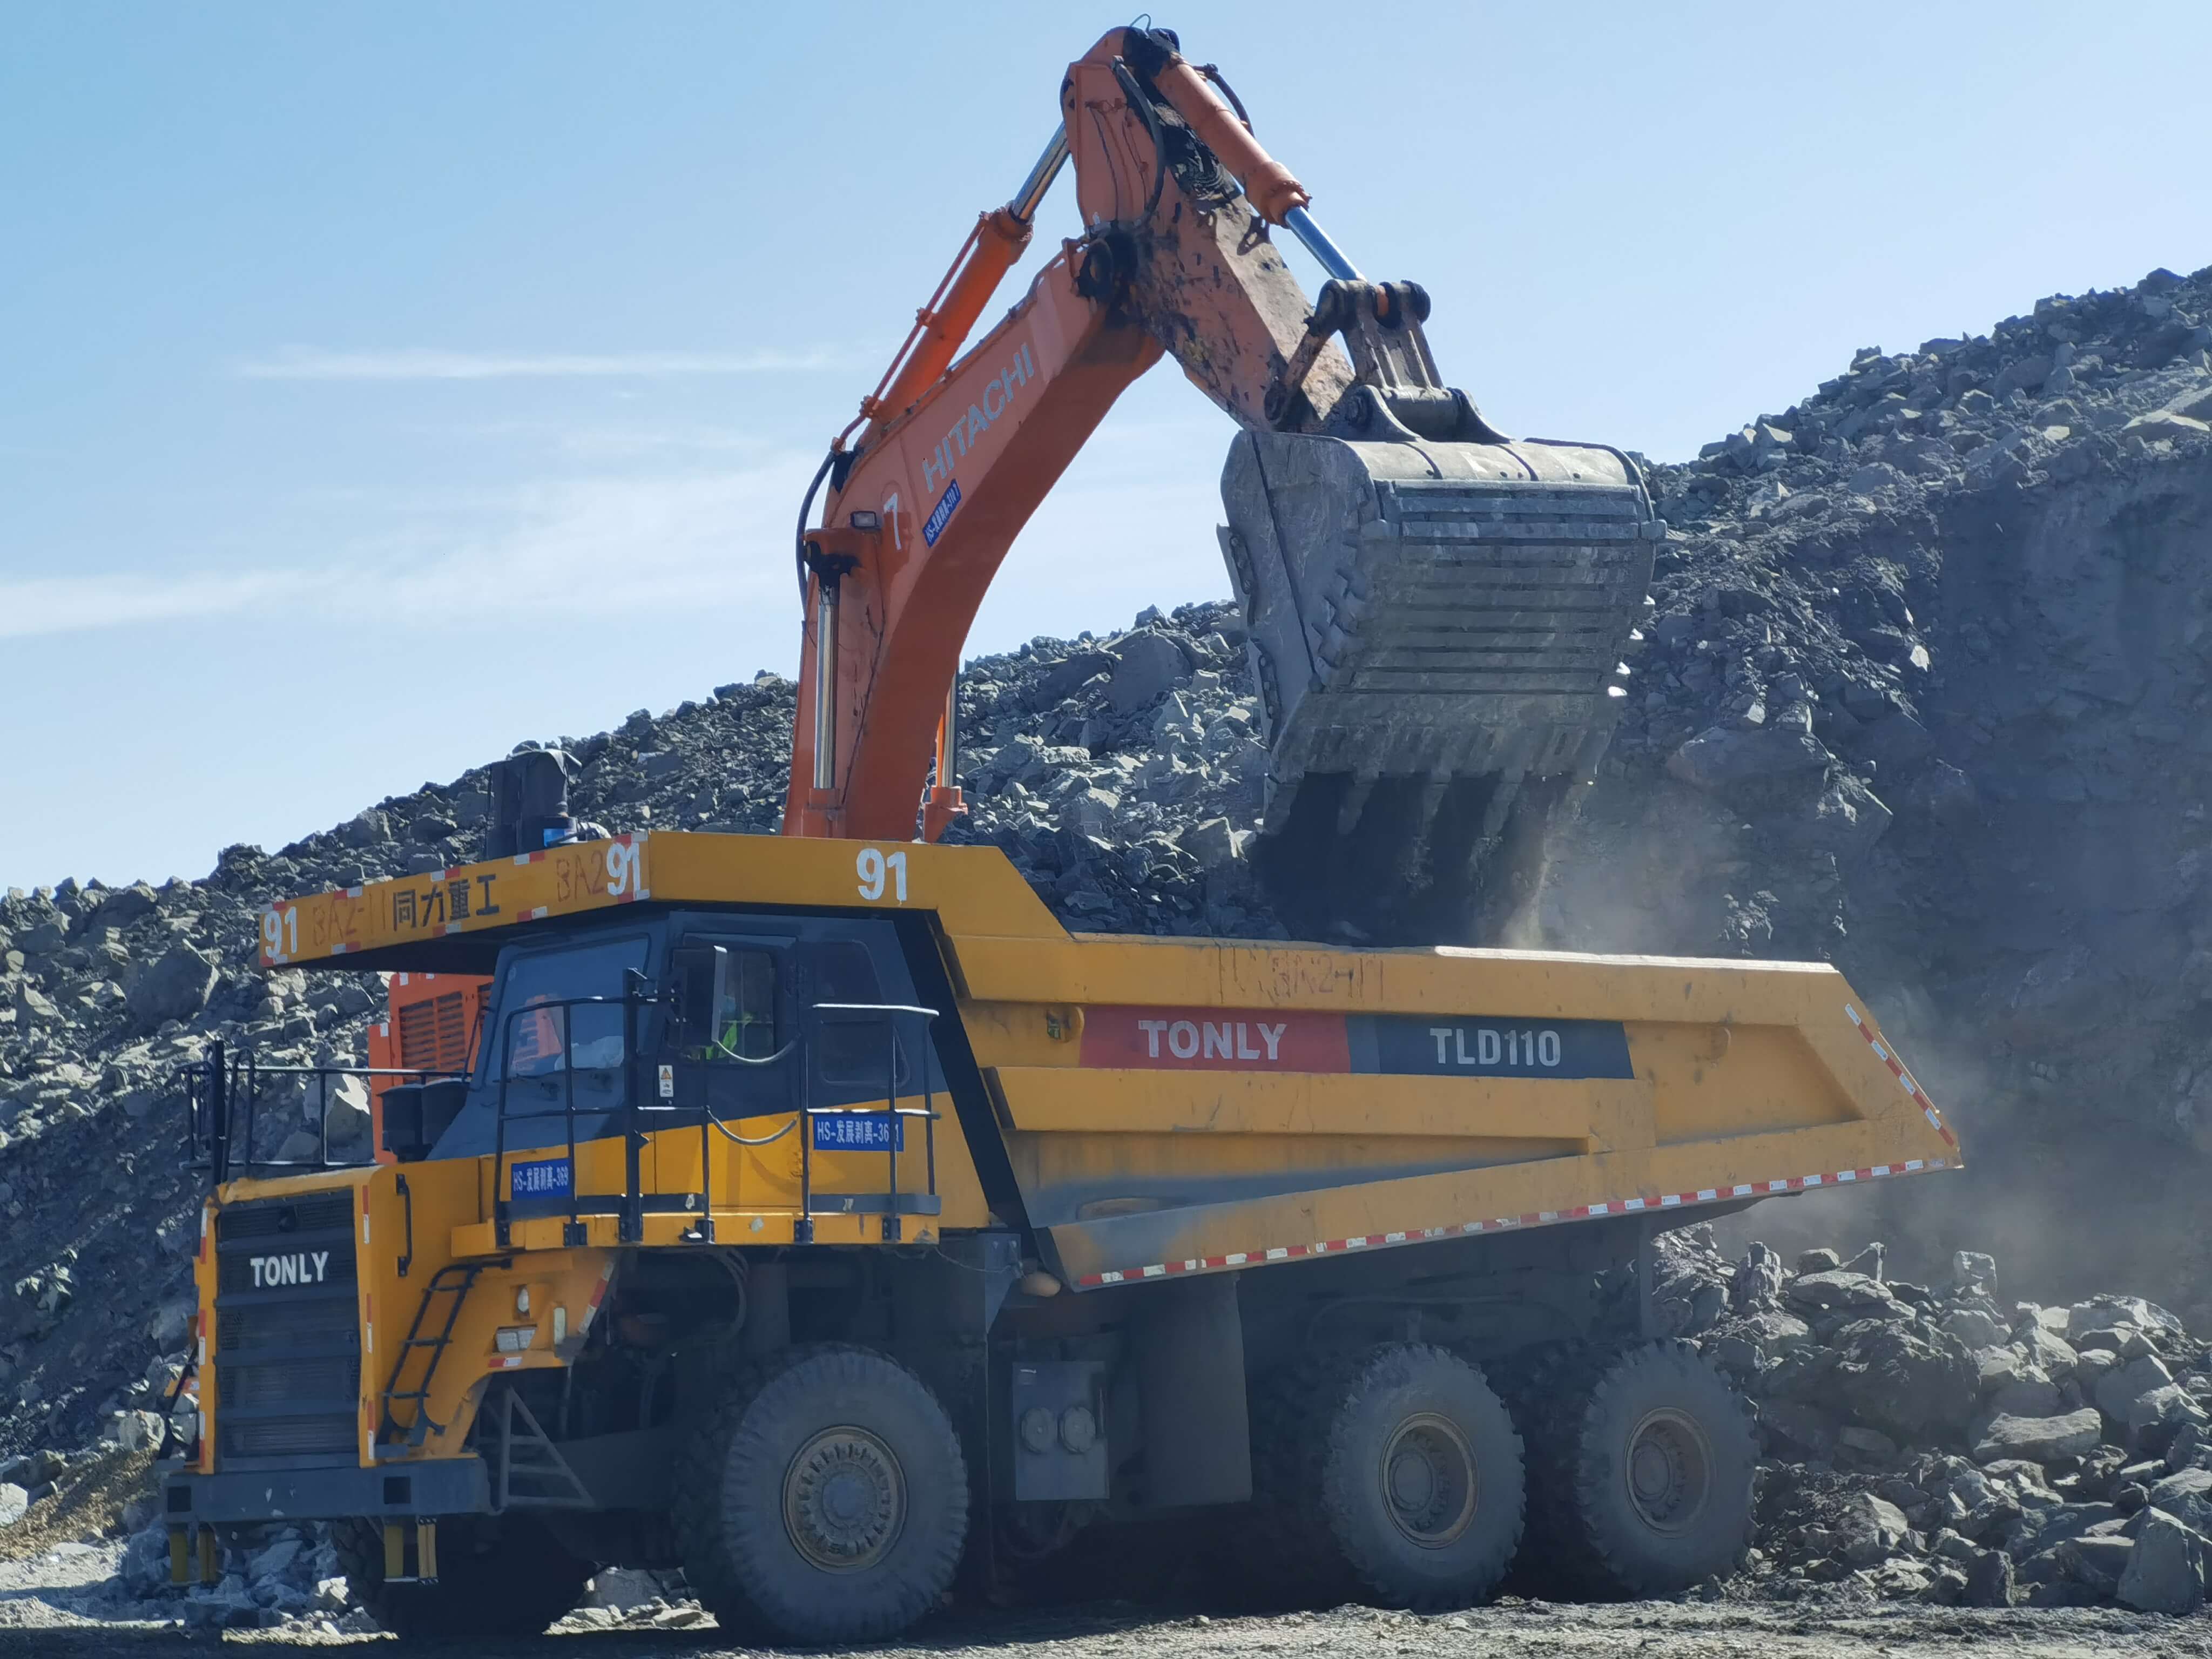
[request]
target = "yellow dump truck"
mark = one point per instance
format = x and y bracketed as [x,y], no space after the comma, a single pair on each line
[815,1215]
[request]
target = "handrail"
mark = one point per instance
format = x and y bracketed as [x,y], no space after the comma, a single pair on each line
[891,1013]
[573,1231]
[636,1109]
[222,1099]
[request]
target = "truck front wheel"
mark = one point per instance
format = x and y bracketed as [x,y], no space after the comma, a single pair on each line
[825,1500]
[496,1577]
[1393,1474]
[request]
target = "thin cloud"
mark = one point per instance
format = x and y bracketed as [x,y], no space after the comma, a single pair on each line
[422,363]
[563,547]
[43,605]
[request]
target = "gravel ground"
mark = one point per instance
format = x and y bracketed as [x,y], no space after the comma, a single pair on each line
[43,1610]
[64,1602]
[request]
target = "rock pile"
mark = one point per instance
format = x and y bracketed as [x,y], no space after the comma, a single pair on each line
[1929,693]
[1939,1443]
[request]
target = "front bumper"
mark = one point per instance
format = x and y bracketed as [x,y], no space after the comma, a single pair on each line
[447,1485]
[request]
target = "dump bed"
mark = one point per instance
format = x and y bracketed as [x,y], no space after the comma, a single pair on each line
[1153,1107]
[1215,1106]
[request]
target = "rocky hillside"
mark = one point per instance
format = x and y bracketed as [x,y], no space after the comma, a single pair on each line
[1926,695]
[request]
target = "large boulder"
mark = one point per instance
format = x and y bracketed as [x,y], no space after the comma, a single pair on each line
[2040,1439]
[1975,1328]
[176,986]
[2104,1312]
[2119,1389]
[1990,1580]
[1870,1529]
[2153,1418]
[346,1113]
[1722,758]
[124,906]
[2186,1494]
[2165,1571]
[1897,743]
[1145,663]
[2046,1350]
[1839,1290]
[1895,1381]
[2097,1561]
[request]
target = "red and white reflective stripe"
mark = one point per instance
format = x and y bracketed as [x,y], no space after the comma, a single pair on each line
[598,1295]
[1534,1218]
[507,1363]
[537,915]
[1904,1078]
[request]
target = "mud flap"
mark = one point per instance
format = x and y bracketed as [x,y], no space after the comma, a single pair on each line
[1437,632]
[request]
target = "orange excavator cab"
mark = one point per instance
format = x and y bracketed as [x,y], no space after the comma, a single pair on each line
[432,1026]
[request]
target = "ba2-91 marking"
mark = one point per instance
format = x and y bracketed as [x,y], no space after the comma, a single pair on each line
[879,872]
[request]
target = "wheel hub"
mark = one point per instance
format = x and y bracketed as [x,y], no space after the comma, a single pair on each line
[844,1499]
[1668,1469]
[1428,1480]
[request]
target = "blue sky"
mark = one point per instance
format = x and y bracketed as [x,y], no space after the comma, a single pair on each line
[380,386]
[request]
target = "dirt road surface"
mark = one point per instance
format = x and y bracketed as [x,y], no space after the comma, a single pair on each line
[1522,1631]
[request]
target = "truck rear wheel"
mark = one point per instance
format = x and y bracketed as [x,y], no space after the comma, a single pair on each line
[825,1500]
[1394,1474]
[1640,1485]
[496,1577]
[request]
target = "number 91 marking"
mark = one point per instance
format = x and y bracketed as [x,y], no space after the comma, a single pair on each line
[623,872]
[280,931]
[878,871]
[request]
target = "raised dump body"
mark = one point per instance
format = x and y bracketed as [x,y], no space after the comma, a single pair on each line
[1067,1209]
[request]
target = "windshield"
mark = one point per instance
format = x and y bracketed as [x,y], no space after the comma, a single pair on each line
[538,1036]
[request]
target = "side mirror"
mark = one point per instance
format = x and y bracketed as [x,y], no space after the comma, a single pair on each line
[699,986]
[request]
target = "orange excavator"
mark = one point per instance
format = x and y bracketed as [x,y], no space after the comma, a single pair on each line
[1435,614]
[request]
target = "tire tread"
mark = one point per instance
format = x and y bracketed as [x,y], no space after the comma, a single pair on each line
[710,1551]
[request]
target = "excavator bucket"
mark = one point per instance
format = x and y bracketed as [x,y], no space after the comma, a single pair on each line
[1437,631]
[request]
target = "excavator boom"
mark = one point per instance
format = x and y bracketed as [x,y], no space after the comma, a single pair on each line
[1435,614]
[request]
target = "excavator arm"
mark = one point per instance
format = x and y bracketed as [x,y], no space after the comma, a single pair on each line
[953,457]
[1435,614]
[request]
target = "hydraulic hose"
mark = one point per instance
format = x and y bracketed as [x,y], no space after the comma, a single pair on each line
[806,512]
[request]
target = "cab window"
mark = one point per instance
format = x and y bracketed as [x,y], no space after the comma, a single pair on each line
[746,1024]
[852,1048]
[541,1030]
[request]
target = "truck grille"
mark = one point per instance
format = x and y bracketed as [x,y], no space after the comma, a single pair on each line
[288,1338]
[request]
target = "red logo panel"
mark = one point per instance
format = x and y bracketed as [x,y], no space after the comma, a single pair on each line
[1214,1040]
